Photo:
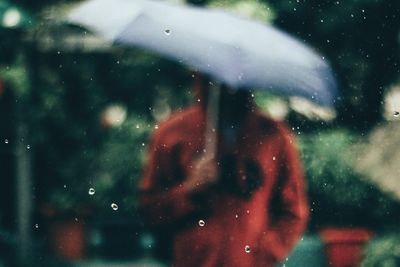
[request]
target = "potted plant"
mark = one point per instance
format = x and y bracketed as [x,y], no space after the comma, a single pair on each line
[344,206]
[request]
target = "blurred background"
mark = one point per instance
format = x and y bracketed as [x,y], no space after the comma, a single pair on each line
[76,113]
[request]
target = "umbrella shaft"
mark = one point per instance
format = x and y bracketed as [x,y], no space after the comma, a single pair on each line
[212,121]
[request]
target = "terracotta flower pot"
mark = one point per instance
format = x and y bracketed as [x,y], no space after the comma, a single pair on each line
[343,246]
[68,239]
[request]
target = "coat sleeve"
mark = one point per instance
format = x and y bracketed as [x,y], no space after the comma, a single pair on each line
[289,208]
[161,202]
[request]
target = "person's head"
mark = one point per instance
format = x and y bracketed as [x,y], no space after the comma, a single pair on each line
[234,104]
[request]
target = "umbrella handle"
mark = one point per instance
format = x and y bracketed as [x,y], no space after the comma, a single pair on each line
[212,121]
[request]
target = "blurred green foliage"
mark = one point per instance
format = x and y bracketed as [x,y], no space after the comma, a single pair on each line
[383,251]
[340,196]
[75,138]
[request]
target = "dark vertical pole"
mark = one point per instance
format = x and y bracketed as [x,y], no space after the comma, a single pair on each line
[24,152]
[24,196]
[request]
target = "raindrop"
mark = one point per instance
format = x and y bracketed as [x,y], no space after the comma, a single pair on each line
[247,249]
[6,141]
[396,114]
[37,226]
[91,191]
[114,206]
[137,126]
[65,186]
[28,147]
[167,32]
[156,126]
[273,158]
[202,223]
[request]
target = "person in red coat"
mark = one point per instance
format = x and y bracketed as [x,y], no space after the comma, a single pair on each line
[245,207]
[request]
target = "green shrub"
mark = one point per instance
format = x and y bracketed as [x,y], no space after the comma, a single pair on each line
[383,251]
[338,194]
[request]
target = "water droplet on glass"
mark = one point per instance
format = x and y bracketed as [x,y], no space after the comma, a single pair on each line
[167,32]
[91,191]
[247,249]
[6,141]
[273,158]
[114,206]
[396,114]
[37,226]
[28,147]
[156,126]
[65,186]
[202,223]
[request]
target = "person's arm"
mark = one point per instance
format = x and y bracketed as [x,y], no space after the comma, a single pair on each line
[165,204]
[159,202]
[289,209]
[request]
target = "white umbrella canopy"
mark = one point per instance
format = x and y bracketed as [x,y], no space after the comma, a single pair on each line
[236,51]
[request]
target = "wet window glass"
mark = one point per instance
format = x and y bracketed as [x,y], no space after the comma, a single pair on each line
[208,133]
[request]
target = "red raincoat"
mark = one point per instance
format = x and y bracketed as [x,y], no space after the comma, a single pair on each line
[263,207]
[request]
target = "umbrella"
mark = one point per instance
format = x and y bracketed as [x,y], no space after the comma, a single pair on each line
[233,50]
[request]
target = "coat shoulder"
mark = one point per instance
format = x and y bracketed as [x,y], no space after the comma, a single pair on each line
[179,123]
[271,126]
